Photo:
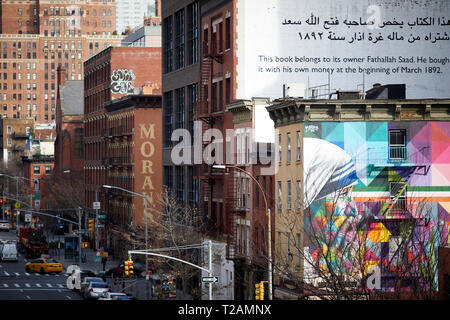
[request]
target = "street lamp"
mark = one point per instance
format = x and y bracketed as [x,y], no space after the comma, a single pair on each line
[146,220]
[218,166]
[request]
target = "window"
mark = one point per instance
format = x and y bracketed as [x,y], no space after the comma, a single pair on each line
[298,156]
[78,143]
[227,33]
[299,194]
[48,169]
[398,195]
[168,44]
[280,193]
[168,118]
[179,39]
[397,144]
[289,196]
[288,155]
[168,178]
[193,33]
[180,107]
[279,148]
[180,182]
[299,253]
[193,92]
[36,170]
[8,129]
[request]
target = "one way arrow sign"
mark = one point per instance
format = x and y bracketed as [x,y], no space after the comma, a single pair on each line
[210,279]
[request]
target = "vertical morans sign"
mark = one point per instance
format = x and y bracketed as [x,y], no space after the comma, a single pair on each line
[148,160]
[348,44]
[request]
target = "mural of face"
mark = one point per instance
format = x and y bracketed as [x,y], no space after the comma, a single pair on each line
[328,170]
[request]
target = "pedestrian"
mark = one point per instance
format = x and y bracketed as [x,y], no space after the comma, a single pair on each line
[104,259]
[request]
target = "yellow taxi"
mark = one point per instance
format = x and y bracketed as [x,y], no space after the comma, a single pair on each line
[44,265]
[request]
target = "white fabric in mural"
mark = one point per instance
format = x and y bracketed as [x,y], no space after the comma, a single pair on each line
[326,169]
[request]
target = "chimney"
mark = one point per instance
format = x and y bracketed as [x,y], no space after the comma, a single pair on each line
[61,76]
[157,8]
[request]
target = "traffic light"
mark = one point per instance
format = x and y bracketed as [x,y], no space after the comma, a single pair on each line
[131,268]
[91,223]
[126,268]
[259,290]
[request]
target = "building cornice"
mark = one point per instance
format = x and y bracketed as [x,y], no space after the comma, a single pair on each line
[241,109]
[288,111]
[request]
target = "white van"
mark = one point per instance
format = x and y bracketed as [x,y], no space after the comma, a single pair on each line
[8,252]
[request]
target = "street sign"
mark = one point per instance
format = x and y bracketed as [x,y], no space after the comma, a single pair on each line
[17,205]
[101,216]
[37,203]
[210,279]
[96,205]
[37,195]
[27,217]
[99,225]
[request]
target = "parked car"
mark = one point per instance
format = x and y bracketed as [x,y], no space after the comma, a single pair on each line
[118,270]
[5,225]
[95,290]
[8,251]
[85,283]
[114,296]
[44,265]
[81,275]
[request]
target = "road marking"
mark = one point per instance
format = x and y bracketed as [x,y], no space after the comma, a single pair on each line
[49,285]
[27,274]
[38,285]
[69,298]
[17,274]
[28,297]
[5,285]
[60,285]
[27,285]
[16,285]
[6,273]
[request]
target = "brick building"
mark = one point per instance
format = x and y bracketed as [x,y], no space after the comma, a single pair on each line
[69,125]
[134,163]
[38,167]
[200,76]
[111,74]
[36,38]
[14,136]
[249,201]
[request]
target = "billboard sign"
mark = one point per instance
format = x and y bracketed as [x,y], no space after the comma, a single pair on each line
[348,45]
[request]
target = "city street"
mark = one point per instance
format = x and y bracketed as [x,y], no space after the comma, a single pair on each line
[16,284]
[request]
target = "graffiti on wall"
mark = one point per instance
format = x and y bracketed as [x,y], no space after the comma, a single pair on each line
[122,81]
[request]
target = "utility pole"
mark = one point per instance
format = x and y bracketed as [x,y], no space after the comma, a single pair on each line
[96,223]
[79,236]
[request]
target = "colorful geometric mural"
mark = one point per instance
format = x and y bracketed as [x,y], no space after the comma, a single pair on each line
[392,211]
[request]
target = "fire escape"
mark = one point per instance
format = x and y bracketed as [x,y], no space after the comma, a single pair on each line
[400,209]
[207,111]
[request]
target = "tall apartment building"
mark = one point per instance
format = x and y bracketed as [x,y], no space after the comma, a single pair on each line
[39,36]
[131,13]
[180,80]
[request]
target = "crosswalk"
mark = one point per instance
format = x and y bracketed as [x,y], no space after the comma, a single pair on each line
[32,285]
[36,281]
[27,274]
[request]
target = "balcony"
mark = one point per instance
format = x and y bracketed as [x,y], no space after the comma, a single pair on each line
[115,161]
[397,153]
[20,135]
